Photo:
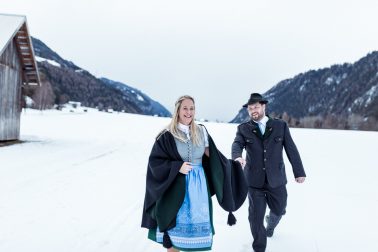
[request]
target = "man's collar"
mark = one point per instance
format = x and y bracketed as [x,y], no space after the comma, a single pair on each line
[263,120]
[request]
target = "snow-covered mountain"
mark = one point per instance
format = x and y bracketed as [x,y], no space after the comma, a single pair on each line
[144,102]
[64,81]
[337,91]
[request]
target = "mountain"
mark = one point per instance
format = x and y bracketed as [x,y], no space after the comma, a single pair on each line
[343,93]
[144,102]
[64,81]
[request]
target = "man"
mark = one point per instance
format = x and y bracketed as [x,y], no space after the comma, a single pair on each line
[264,138]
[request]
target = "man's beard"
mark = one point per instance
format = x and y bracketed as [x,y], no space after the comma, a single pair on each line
[257,116]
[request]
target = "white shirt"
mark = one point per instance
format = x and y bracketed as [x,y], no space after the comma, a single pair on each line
[185,128]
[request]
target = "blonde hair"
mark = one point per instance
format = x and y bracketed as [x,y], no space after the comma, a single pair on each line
[194,128]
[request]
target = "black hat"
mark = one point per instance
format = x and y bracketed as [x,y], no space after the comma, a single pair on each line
[255,97]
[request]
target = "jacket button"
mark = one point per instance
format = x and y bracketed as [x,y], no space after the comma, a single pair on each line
[264,159]
[264,168]
[264,150]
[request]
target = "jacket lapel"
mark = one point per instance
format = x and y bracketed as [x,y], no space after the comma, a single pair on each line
[255,129]
[268,129]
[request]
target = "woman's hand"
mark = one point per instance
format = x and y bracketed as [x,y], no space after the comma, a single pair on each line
[186,168]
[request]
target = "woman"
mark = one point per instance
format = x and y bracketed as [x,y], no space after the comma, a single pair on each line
[184,170]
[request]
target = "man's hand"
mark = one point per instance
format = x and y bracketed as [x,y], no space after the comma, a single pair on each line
[241,161]
[300,179]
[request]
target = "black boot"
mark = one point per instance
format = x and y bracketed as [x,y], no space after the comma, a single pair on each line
[272,221]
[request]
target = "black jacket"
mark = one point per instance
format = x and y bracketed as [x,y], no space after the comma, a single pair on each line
[264,153]
[165,185]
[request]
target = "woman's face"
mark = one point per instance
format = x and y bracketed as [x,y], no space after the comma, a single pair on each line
[186,112]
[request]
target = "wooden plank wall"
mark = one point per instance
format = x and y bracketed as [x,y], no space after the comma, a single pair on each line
[10,93]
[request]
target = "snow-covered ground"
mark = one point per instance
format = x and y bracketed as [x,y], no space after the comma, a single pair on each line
[77,185]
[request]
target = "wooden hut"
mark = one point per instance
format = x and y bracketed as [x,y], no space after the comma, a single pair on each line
[18,70]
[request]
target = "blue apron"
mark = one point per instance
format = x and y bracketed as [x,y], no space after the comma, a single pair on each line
[193,227]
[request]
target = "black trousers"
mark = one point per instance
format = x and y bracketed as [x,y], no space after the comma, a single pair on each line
[276,199]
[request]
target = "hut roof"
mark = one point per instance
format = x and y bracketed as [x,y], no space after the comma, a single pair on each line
[14,27]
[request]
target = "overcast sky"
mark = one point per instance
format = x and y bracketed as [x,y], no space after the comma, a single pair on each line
[217,51]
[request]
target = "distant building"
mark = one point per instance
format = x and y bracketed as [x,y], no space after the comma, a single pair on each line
[18,71]
[74,104]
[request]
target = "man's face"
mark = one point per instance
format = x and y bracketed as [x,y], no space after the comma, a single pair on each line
[256,111]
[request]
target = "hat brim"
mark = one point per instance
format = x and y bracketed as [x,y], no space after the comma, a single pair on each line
[262,102]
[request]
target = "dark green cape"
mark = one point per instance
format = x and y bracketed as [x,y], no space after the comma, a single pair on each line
[165,185]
